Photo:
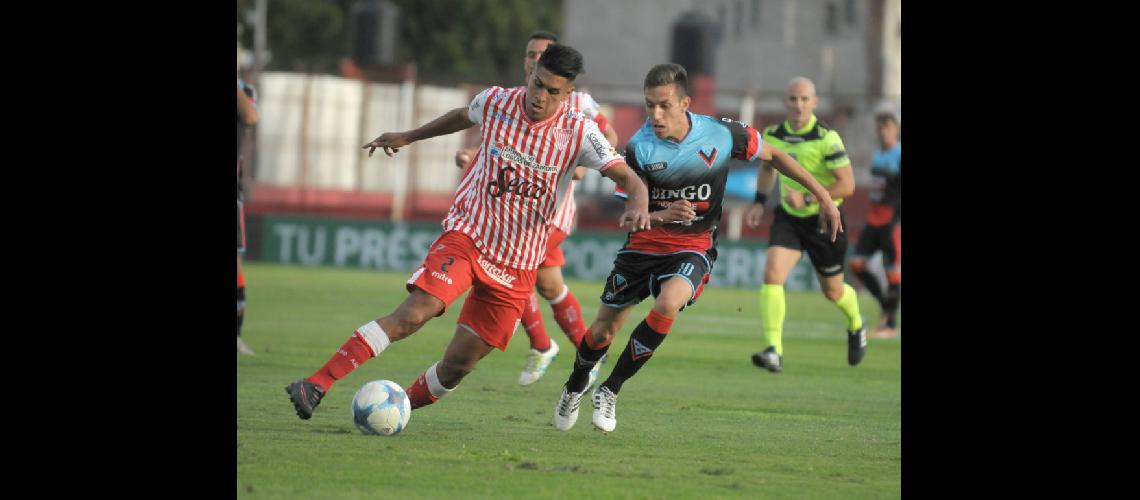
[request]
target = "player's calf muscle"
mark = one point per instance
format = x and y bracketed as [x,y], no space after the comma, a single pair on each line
[408,318]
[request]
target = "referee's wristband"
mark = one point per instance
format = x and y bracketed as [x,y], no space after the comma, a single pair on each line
[761,198]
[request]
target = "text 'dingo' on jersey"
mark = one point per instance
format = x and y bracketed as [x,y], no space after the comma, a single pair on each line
[696,169]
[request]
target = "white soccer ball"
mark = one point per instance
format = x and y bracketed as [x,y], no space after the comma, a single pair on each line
[381,407]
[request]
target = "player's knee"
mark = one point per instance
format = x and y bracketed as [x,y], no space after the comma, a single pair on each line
[603,333]
[669,307]
[858,265]
[833,293]
[549,291]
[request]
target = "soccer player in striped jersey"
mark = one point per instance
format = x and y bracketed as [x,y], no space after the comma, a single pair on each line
[684,159]
[550,284]
[494,236]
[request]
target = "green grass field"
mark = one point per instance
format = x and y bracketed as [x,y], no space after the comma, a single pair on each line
[699,420]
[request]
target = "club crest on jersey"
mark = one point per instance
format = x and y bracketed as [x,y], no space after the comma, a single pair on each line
[708,154]
[503,117]
[561,137]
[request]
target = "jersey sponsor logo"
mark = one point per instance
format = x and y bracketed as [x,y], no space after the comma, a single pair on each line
[708,154]
[440,276]
[513,155]
[653,167]
[638,350]
[598,147]
[516,185]
[561,137]
[702,192]
[503,117]
[503,277]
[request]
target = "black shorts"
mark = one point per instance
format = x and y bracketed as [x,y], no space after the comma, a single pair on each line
[240,227]
[636,275]
[880,238]
[802,233]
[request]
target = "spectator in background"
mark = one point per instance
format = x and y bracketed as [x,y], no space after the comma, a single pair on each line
[794,229]
[550,283]
[246,119]
[882,232]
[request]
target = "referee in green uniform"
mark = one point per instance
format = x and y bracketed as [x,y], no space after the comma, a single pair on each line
[795,228]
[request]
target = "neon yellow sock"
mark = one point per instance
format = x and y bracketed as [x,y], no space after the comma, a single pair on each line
[849,304]
[772,309]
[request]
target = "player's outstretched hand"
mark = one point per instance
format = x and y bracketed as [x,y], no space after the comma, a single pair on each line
[635,219]
[391,140]
[755,215]
[829,218]
[462,158]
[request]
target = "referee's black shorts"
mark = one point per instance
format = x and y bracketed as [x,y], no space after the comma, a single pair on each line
[802,233]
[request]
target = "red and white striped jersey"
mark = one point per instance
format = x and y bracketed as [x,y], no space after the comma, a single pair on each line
[564,217]
[506,201]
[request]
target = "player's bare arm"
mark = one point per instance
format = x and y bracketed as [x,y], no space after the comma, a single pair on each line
[451,122]
[246,108]
[636,216]
[764,182]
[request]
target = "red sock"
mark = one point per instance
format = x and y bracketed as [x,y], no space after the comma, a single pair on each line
[532,324]
[568,314]
[418,393]
[351,355]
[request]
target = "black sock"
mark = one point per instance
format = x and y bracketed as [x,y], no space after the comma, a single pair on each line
[871,283]
[637,352]
[891,303]
[240,308]
[583,363]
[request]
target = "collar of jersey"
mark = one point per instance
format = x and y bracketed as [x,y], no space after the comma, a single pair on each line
[692,128]
[522,107]
[802,131]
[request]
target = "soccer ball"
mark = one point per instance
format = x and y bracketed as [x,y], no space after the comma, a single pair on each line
[381,407]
